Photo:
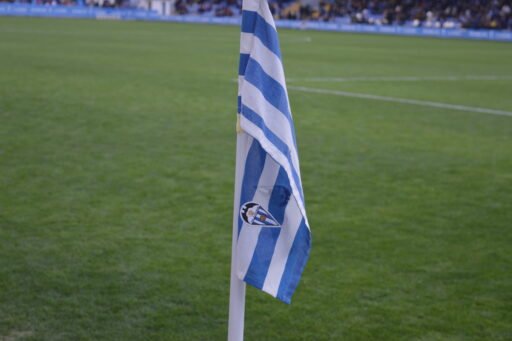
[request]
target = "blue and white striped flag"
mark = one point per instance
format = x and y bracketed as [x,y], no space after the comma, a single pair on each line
[273,232]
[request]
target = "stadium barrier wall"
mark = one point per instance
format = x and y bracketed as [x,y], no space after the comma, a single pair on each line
[138,14]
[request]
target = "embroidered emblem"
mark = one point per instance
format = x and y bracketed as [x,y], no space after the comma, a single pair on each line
[253,214]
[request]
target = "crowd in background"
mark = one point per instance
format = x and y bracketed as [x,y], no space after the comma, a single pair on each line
[90,3]
[475,14]
[493,14]
[219,8]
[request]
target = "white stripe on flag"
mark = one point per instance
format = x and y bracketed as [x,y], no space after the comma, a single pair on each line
[250,5]
[292,220]
[248,238]
[254,6]
[269,62]
[244,142]
[246,42]
[279,124]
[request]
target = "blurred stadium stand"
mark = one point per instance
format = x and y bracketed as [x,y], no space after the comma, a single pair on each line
[474,14]
[446,14]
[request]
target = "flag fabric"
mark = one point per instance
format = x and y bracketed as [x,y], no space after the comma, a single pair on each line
[273,232]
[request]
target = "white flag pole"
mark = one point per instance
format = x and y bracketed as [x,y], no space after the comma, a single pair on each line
[237,287]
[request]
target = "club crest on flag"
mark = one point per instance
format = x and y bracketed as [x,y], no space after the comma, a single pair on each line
[253,214]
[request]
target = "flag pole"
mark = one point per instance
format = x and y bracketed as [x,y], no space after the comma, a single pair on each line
[237,287]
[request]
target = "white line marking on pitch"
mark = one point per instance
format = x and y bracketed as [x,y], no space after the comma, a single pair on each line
[402,79]
[402,100]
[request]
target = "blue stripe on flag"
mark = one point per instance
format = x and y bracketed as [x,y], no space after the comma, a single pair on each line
[295,263]
[244,59]
[280,196]
[275,140]
[254,23]
[271,89]
[262,256]
[239,103]
[253,168]
[267,238]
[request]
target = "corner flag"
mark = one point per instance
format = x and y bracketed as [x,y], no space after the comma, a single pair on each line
[271,236]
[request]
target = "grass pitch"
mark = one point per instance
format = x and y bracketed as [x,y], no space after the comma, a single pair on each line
[116,183]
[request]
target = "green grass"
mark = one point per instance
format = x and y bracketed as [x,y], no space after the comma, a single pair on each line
[116,183]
